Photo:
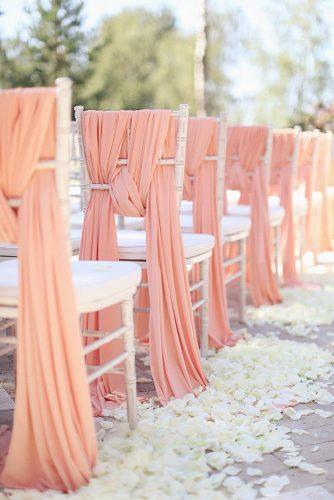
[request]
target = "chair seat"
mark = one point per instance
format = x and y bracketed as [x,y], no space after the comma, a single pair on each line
[300,203]
[96,284]
[9,250]
[276,212]
[230,224]
[77,220]
[132,244]
[233,224]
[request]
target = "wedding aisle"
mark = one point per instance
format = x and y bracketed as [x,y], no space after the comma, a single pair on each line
[263,427]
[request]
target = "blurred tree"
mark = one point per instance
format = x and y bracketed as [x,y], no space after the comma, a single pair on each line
[295,61]
[135,59]
[200,60]
[139,59]
[55,46]
[225,42]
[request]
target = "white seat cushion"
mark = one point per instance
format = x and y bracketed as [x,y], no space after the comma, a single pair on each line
[132,244]
[96,284]
[230,224]
[186,207]
[77,220]
[276,212]
[300,203]
[232,197]
[9,250]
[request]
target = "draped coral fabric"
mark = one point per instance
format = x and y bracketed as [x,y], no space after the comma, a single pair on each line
[53,440]
[137,189]
[306,181]
[321,237]
[200,185]
[245,171]
[281,183]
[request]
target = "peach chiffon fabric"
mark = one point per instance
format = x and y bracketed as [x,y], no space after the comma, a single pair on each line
[321,237]
[200,185]
[282,184]
[141,189]
[245,171]
[53,440]
[306,178]
[330,190]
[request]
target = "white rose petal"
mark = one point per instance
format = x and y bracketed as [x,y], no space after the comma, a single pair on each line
[300,432]
[185,448]
[254,472]
[311,468]
[323,413]
[232,471]
[273,485]
[106,424]
[293,461]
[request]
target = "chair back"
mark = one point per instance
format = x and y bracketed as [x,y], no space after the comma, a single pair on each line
[177,161]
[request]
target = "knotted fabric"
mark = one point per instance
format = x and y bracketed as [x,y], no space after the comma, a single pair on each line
[245,171]
[281,183]
[53,440]
[200,185]
[140,188]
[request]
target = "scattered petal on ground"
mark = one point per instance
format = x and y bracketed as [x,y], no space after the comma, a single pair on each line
[301,311]
[188,447]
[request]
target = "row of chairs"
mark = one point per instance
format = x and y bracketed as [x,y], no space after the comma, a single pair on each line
[131,164]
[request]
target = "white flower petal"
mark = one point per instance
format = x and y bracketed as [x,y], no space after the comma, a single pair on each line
[311,468]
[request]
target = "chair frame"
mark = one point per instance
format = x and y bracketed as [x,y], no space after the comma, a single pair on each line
[178,163]
[302,219]
[240,237]
[61,166]
[277,226]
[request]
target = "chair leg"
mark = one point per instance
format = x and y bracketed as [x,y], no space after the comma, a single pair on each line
[204,276]
[130,367]
[242,283]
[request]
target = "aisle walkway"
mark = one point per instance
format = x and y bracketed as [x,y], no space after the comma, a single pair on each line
[199,447]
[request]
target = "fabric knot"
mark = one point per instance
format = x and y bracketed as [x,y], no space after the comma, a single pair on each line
[125,195]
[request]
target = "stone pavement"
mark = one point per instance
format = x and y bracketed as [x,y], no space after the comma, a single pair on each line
[317,447]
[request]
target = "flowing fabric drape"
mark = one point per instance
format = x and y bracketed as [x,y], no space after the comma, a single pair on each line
[281,183]
[53,440]
[330,188]
[306,178]
[245,171]
[141,189]
[321,238]
[200,185]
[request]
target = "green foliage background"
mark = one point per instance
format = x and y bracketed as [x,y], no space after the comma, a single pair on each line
[139,59]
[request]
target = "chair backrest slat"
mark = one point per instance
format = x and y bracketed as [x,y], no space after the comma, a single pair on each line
[62,157]
[178,162]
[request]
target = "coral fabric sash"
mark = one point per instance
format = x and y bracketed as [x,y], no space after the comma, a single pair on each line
[138,189]
[321,239]
[282,184]
[53,440]
[200,185]
[245,171]
[306,178]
